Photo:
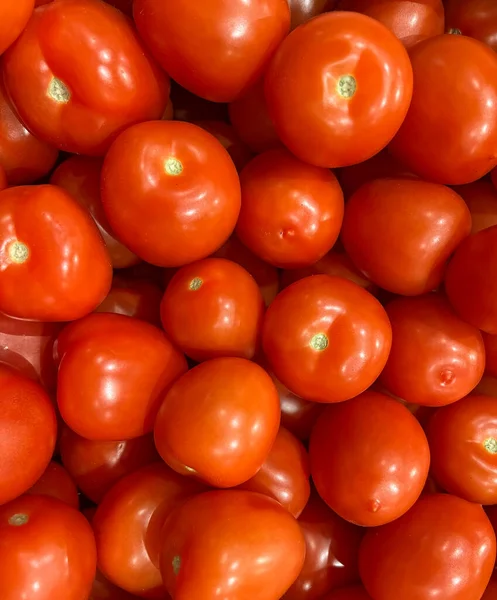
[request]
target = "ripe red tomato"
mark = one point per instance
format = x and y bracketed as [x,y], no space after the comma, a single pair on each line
[437,140]
[256,548]
[216,49]
[338,89]
[490,342]
[180,189]
[112,376]
[14,17]
[481,198]
[436,357]
[56,483]
[52,251]
[356,592]
[303,10]
[79,74]
[443,545]
[475,18]
[240,153]
[326,338]
[366,436]
[417,226]
[219,421]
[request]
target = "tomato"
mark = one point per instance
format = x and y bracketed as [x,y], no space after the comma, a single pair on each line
[436,357]
[303,10]
[240,153]
[50,249]
[443,545]
[437,140]
[332,550]
[96,466]
[14,17]
[80,176]
[56,483]
[417,226]
[487,386]
[491,591]
[191,108]
[128,527]
[79,74]
[481,198]
[356,592]
[471,280]
[326,338]
[474,18]
[256,548]
[213,307]
[3,179]
[338,89]
[180,189]
[103,589]
[490,342]
[219,421]
[112,375]
[216,49]
[126,6]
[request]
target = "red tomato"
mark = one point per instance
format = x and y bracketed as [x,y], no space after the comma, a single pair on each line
[213,307]
[180,189]
[332,549]
[443,545]
[436,357]
[256,548]
[112,376]
[417,226]
[304,10]
[128,527]
[126,6]
[191,108]
[28,433]
[475,18]
[338,89]
[14,17]
[216,49]
[356,592]
[80,176]
[490,342]
[367,437]
[56,483]
[219,421]
[240,153]
[437,139]
[326,338]
[79,74]
[52,251]
[96,466]
[481,198]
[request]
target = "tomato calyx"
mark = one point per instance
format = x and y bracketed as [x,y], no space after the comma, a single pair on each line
[18,252]
[58,91]
[454,31]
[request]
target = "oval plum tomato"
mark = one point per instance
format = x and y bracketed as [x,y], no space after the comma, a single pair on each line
[463,444]
[233,41]
[96,466]
[338,89]
[219,421]
[240,153]
[471,280]
[332,552]
[474,18]
[439,144]
[128,527]
[443,545]
[14,17]
[50,249]
[111,377]
[56,483]
[213,307]
[291,212]
[47,550]
[180,190]
[436,357]
[378,440]
[481,198]
[79,74]
[80,176]
[356,592]
[326,338]
[303,10]
[490,342]
[401,232]
[256,548]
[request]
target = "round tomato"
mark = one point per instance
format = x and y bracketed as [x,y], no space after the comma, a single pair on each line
[56,483]
[401,232]
[179,188]
[219,421]
[14,17]
[338,89]
[474,18]
[443,545]
[240,153]
[481,198]
[78,74]
[326,338]
[356,592]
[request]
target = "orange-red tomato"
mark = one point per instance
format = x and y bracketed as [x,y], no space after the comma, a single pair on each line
[240,153]
[338,89]
[56,483]
[475,18]
[481,198]
[180,190]
[13,19]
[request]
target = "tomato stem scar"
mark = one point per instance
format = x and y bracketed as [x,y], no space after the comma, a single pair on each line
[58,91]
[18,520]
[173,166]
[195,284]
[346,86]
[454,31]
[176,564]
[490,445]
[319,342]
[18,252]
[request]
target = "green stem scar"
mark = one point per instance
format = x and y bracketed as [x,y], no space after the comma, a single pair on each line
[195,284]
[490,445]
[18,520]
[18,252]
[58,91]
[346,86]
[173,166]
[319,342]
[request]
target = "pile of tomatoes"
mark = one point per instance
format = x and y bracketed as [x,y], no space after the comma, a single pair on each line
[248,299]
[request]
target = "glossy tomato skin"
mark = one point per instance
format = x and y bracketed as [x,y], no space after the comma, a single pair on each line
[311,340]
[439,144]
[240,528]
[137,298]
[47,550]
[417,226]
[219,421]
[79,74]
[338,89]
[56,483]
[180,188]
[356,592]
[240,153]
[41,226]
[111,379]
[216,50]
[481,198]
[13,18]
[442,543]
[474,18]
[367,436]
